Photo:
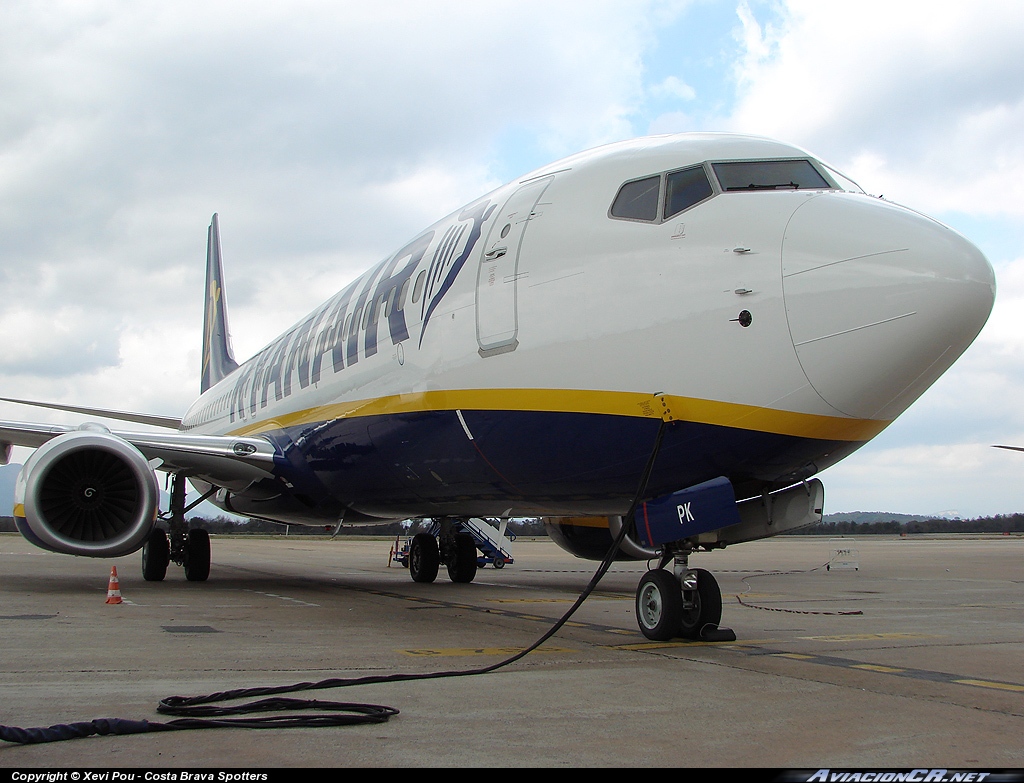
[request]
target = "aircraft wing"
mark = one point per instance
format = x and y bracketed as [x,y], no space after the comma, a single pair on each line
[138,418]
[232,462]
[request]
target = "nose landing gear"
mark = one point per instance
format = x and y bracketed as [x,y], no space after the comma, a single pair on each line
[685,603]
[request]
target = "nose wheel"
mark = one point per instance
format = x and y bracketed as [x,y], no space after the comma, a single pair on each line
[659,605]
[702,603]
[688,606]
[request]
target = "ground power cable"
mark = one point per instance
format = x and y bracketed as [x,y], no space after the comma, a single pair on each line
[838,613]
[200,712]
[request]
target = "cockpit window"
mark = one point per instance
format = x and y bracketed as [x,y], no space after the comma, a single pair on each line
[844,181]
[686,188]
[638,200]
[769,175]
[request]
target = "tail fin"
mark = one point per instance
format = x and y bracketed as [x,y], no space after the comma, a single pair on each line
[218,357]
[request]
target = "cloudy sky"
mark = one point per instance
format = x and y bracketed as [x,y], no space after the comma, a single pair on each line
[328,133]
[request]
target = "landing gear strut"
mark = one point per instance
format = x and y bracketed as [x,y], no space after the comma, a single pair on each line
[188,548]
[685,602]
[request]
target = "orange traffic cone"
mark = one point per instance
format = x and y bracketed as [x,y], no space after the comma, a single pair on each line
[114,588]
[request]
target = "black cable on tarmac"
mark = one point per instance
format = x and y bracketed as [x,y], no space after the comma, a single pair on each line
[198,712]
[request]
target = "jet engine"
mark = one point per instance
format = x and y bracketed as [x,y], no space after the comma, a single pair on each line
[87,492]
[590,538]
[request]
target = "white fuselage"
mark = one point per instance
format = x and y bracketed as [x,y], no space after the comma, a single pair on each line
[776,318]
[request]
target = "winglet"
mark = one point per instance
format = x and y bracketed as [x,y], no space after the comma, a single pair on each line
[218,357]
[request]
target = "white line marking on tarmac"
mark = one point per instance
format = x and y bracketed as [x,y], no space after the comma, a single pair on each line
[295,601]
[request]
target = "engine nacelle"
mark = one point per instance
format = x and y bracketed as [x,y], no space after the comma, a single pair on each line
[591,537]
[88,493]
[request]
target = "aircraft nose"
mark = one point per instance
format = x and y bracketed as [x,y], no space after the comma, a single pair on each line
[880,300]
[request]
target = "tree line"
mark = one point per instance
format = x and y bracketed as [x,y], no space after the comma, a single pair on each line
[1001,523]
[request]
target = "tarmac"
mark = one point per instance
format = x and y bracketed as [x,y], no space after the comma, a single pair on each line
[905,653]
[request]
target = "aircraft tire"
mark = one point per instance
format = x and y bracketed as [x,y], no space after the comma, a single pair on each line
[424,558]
[463,567]
[197,556]
[156,555]
[659,605]
[707,606]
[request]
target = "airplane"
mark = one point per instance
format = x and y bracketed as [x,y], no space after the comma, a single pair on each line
[659,341]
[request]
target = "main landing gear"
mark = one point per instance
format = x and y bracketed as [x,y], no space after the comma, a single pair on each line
[457,550]
[187,548]
[685,602]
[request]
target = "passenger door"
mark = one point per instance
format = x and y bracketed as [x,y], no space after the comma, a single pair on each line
[497,319]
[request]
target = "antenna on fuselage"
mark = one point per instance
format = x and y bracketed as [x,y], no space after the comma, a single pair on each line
[218,356]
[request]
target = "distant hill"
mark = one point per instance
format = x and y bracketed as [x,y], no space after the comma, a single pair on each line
[862,522]
[870,517]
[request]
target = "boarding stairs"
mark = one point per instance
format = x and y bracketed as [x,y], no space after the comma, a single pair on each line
[492,542]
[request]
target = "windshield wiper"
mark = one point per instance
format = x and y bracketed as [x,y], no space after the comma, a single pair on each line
[752,186]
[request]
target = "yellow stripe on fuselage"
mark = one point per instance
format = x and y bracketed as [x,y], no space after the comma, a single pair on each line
[633,404]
